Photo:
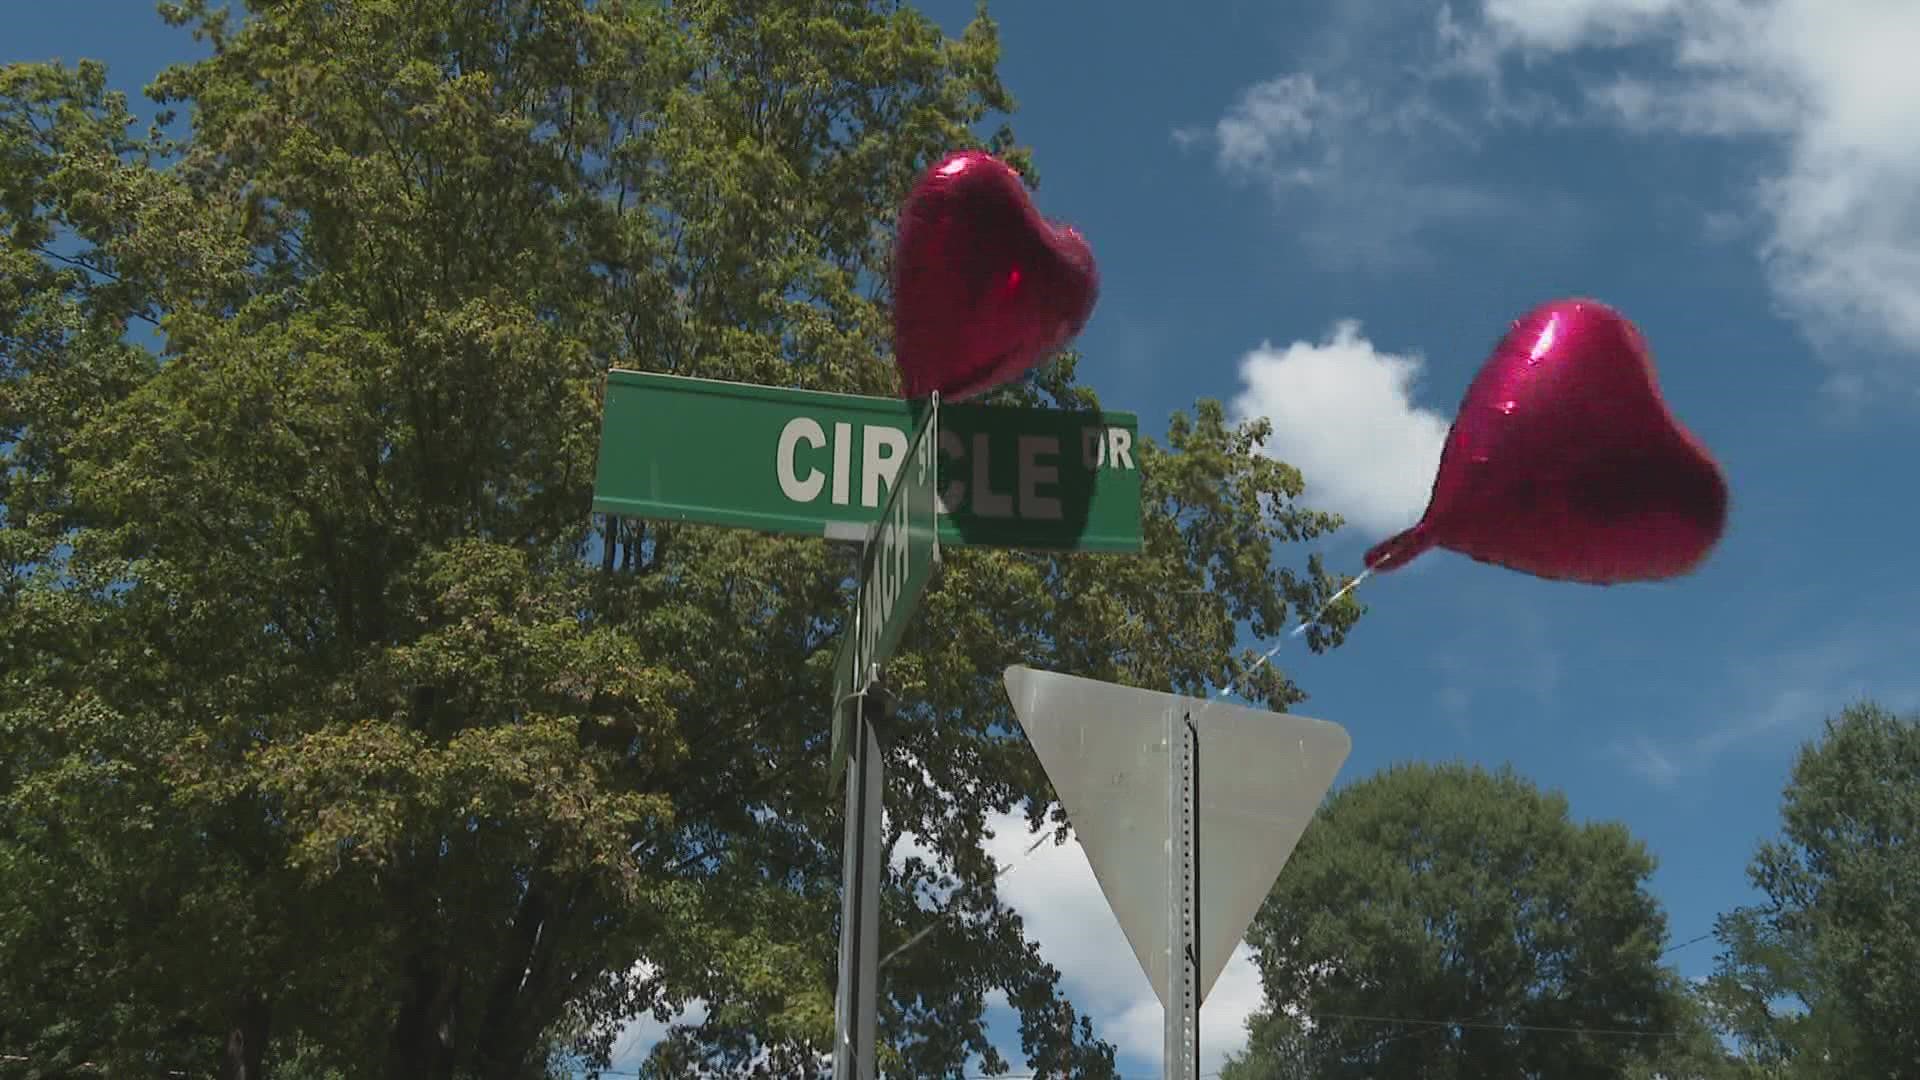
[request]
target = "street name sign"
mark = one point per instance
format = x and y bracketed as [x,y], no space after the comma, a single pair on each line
[901,478]
[820,464]
[899,561]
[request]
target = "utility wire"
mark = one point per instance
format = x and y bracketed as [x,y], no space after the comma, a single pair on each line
[1694,940]
[1495,1025]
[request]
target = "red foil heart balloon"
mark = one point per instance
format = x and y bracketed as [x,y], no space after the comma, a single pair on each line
[1565,463]
[984,288]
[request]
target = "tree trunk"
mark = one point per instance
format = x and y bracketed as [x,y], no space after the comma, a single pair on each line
[247,1041]
[422,1042]
[503,1047]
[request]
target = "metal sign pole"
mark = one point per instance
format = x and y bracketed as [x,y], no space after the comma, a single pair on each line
[1184,994]
[897,562]
[858,1000]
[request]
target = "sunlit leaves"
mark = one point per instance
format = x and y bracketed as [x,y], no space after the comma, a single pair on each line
[313,648]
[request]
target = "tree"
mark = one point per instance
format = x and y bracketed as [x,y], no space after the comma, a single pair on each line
[1444,921]
[336,735]
[1820,978]
[1697,1050]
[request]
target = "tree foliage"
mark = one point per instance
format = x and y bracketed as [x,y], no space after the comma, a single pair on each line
[1821,977]
[1448,922]
[336,735]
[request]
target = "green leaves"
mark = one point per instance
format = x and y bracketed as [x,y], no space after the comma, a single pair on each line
[1467,909]
[1820,979]
[337,735]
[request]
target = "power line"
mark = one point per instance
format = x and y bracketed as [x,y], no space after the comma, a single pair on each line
[1694,940]
[1495,1025]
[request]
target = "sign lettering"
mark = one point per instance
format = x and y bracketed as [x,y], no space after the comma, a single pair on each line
[804,462]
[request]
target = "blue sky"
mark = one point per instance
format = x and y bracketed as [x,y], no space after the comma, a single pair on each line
[1399,179]
[1358,198]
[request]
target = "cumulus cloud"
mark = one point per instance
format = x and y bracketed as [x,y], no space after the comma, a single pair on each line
[1271,120]
[1346,163]
[1053,888]
[1563,24]
[1823,91]
[1057,895]
[1833,81]
[642,1033]
[1828,85]
[1343,414]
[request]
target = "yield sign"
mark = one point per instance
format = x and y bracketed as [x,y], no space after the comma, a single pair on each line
[1107,750]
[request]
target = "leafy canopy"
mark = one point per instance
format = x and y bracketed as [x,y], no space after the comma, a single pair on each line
[337,737]
[1821,977]
[1443,921]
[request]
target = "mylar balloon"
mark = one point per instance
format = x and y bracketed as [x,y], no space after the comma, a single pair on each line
[1564,461]
[984,288]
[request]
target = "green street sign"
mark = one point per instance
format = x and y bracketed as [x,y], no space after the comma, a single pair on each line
[898,563]
[819,464]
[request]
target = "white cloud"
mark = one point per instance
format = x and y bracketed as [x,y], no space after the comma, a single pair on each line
[1065,913]
[637,1039]
[1344,162]
[1562,24]
[1784,697]
[1270,120]
[1054,890]
[1829,85]
[1652,763]
[1372,148]
[1343,414]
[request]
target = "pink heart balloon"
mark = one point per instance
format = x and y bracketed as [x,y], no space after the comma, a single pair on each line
[984,288]
[1564,461]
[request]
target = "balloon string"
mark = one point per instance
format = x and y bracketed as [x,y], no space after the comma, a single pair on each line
[1267,657]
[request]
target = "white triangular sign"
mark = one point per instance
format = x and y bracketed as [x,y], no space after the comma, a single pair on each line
[1105,748]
